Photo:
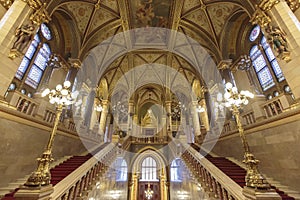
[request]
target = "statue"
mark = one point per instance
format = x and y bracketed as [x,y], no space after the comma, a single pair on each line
[149,118]
[276,38]
[24,34]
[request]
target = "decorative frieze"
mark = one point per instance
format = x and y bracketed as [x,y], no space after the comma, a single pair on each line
[6,3]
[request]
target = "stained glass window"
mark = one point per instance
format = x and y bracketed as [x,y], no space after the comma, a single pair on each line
[46,31]
[272,59]
[34,76]
[254,33]
[265,78]
[148,171]
[34,60]
[175,171]
[22,68]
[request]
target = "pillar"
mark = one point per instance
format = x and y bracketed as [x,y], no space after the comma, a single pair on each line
[283,17]
[11,20]
[196,122]
[102,124]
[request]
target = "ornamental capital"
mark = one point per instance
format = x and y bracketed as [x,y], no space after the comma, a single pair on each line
[260,17]
[266,5]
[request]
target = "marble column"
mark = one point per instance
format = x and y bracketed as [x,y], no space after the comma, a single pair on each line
[283,17]
[196,122]
[169,119]
[103,117]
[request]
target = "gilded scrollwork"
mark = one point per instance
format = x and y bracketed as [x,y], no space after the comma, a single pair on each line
[293,4]
[260,17]
[6,3]
[266,5]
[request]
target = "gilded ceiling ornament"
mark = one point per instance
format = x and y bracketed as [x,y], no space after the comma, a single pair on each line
[224,64]
[260,17]
[266,5]
[6,3]
[293,4]
[40,15]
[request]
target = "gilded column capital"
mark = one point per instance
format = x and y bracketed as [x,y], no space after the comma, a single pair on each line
[75,63]
[293,4]
[6,3]
[260,17]
[40,14]
[266,5]
[224,64]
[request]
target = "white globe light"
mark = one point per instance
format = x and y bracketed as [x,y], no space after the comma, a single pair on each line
[246,102]
[67,84]
[234,89]
[227,95]
[228,85]
[58,87]
[64,92]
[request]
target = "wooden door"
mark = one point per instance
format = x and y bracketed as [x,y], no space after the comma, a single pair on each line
[154,186]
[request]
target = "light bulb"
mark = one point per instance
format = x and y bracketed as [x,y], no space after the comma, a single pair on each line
[234,90]
[67,84]
[228,85]
[227,95]
[64,92]
[58,87]
[52,101]
[246,102]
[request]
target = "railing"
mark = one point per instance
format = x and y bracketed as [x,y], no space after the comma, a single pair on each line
[152,140]
[79,182]
[248,118]
[49,116]
[273,108]
[212,179]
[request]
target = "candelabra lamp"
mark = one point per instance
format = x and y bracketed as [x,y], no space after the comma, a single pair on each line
[235,100]
[61,97]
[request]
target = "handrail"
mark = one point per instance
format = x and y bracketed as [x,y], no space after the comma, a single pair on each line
[82,175]
[218,182]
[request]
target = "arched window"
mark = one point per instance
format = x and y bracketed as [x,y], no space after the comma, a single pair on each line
[34,62]
[175,171]
[149,170]
[264,61]
[121,170]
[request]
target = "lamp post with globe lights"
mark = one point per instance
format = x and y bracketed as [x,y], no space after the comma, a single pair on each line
[61,97]
[235,100]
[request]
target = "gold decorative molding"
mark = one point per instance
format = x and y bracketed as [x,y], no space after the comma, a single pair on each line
[266,5]
[40,15]
[293,4]
[6,3]
[75,63]
[224,64]
[260,17]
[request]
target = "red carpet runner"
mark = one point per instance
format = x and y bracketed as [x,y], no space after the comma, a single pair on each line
[234,171]
[62,170]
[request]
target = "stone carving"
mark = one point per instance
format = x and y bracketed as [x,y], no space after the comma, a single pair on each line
[277,39]
[24,35]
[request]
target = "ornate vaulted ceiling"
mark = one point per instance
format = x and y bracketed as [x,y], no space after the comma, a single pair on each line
[214,24]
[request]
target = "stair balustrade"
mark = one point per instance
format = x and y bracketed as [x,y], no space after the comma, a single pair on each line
[80,181]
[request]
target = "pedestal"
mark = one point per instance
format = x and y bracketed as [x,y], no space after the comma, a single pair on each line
[255,194]
[34,193]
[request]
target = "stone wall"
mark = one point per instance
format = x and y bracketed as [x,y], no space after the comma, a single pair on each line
[278,149]
[21,144]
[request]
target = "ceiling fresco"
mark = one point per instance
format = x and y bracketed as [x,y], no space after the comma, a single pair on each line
[150,13]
